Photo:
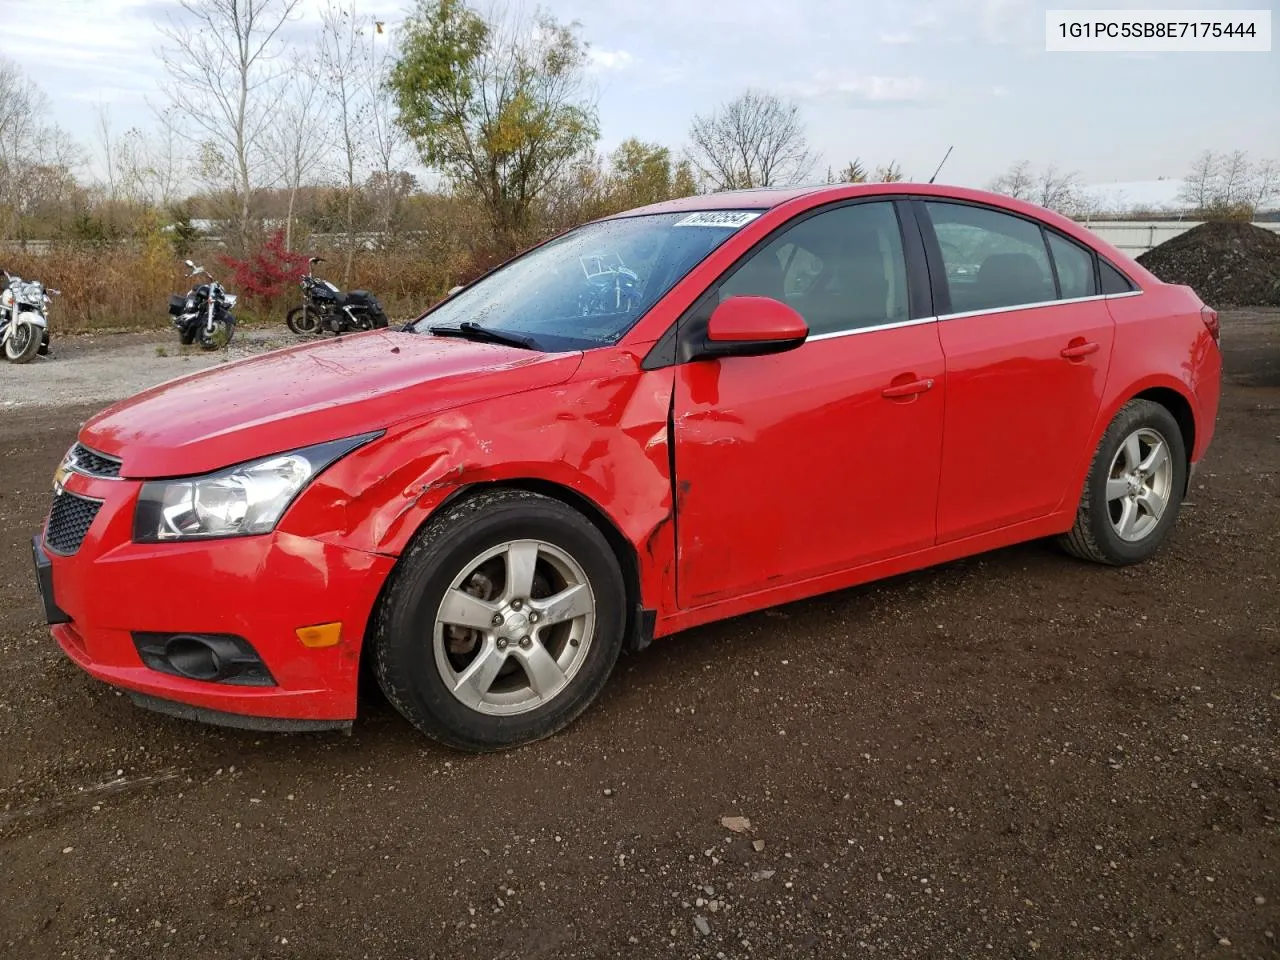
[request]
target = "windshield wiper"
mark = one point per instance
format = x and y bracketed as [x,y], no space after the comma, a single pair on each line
[470,330]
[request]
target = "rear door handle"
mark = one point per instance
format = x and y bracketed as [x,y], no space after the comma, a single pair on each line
[908,389]
[1078,350]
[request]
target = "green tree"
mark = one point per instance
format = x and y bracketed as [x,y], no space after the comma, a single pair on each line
[643,173]
[499,108]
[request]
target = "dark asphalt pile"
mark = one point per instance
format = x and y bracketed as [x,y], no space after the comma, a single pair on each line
[1227,263]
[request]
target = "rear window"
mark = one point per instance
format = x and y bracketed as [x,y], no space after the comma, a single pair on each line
[1074,265]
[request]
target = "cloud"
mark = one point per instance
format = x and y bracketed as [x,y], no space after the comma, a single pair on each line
[999,91]
[611,59]
[893,39]
[861,90]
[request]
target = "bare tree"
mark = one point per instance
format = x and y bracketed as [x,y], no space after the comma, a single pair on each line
[36,157]
[1265,184]
[343,59]
[392,149]
[1233,181]
[295,146]
[221,58]
[1017,182]
[1201,182]
[756,140]
[1056,190]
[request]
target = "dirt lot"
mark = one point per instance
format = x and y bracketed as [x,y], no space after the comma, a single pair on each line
[1015,755]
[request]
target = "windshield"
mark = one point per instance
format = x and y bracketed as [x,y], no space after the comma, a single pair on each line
[589,287]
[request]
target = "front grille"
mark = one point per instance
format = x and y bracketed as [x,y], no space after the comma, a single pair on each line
[69,521]
[93,463]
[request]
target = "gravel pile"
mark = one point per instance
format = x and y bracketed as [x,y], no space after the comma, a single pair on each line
[1228,264]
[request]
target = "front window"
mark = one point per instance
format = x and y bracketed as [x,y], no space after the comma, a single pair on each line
[589,287]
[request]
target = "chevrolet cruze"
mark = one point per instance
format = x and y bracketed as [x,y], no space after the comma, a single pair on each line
[659,419]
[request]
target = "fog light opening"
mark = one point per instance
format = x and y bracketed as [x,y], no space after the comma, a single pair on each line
[194,658]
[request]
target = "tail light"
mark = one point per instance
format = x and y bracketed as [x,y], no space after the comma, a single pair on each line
[1210,318]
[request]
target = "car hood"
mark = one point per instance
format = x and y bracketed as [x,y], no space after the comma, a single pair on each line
[309,394]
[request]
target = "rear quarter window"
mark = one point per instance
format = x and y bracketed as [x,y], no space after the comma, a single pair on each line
[1113,281]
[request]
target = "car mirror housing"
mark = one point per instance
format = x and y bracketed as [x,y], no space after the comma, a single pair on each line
[752,326]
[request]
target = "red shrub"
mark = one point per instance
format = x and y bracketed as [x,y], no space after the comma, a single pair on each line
[268,274]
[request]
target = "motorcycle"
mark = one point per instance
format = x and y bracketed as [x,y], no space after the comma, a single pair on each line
[326,308]
[24,318]
[204,314]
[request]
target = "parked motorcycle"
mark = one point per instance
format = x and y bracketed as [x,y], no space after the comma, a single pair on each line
[204,314]
[325,308]
[24,318]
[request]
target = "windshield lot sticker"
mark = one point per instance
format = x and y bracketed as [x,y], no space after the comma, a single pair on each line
[729,219]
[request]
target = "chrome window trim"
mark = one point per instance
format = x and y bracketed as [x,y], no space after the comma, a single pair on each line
[1037,304]
[853,331]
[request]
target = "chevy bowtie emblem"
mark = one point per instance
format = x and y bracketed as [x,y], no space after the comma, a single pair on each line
[60,475]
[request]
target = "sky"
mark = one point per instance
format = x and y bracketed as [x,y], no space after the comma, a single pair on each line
[898,81]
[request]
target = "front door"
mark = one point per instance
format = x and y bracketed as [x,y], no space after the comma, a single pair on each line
[826,457]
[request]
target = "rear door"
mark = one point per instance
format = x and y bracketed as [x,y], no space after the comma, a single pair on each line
[1027,342]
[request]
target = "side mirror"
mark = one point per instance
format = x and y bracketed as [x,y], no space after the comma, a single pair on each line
[753,326]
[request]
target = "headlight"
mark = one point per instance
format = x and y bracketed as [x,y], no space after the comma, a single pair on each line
[239,501]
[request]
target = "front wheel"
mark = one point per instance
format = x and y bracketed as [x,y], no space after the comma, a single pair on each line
[1134,489]
[23,342]
[219,337]
[501,623]
[304,320]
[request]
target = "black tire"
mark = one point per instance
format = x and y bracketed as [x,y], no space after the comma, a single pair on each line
[303,321]
[403,636]
[24,343]
[223,331]
[1094,537]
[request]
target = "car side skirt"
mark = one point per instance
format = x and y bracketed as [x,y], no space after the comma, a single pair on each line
[1056,523]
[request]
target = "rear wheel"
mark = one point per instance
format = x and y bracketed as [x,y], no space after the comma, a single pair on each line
[23,343]
[502,622]
[1133,492]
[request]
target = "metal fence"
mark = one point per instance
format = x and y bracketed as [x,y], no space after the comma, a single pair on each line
[1135,237]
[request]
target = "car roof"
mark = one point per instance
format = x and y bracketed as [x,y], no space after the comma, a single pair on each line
[815,194]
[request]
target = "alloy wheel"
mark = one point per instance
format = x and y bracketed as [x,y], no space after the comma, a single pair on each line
[1139,484]
[514,627]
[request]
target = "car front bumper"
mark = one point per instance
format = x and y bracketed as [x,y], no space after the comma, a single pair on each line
[103,599]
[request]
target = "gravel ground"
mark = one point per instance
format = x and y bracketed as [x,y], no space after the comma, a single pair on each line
[1015,755]
[102,368]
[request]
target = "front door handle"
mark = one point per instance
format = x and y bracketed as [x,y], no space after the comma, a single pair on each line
[1078,351]
[901,390]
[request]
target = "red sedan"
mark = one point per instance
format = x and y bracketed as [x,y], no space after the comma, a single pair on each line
[672,416]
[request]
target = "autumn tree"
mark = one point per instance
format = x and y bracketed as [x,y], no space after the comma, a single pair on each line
[756,140]
[498,106]
[891,172]
[853,172]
